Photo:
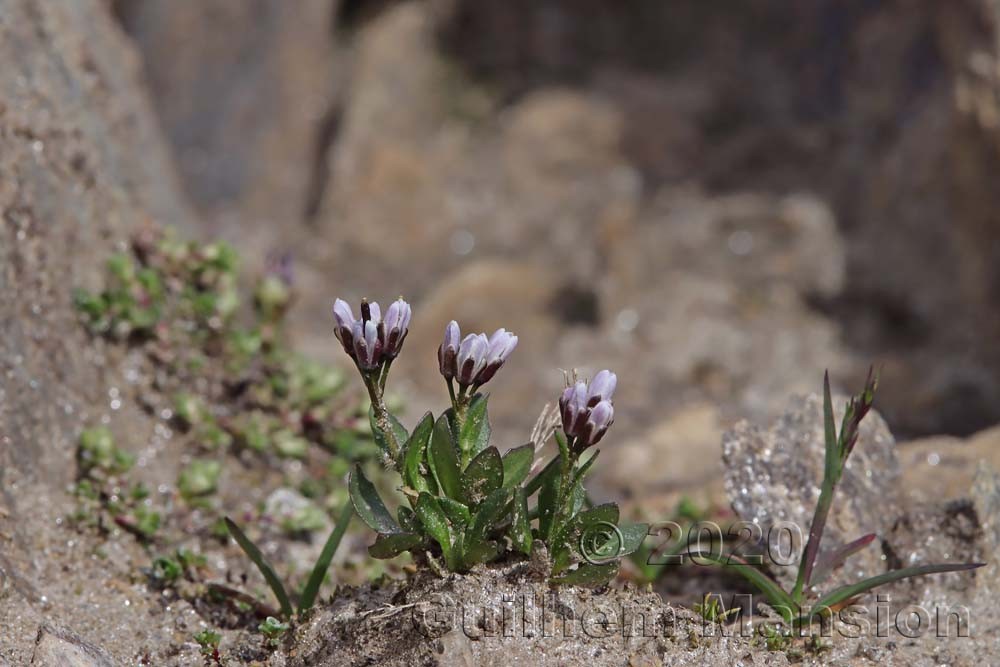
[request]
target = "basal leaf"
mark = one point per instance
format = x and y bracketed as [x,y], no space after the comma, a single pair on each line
[483,476]
[414,476]
[487,515]
[444,459]
[475,434]
[433,518]
[480,552]
[589,575]
[548,496]
[520,528]
[369,505]
[457,513]
[517,464]
[390,546]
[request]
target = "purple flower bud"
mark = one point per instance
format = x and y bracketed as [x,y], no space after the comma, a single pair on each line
[394,328]
[601,388]
[599,419]
[367,348]
[344,316]
[471,358]
[502,343]
[587,411]
[573,408]
[370,312]
[448,351]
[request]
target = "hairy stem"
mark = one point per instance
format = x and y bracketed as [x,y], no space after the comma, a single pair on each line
[372,383]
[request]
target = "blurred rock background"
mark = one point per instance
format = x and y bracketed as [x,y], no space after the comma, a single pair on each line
[718,205]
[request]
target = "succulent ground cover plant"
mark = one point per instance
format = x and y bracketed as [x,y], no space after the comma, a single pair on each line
[802,605]
[466,502]
[232,384]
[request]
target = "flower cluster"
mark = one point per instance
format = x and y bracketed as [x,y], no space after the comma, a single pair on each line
[370,339]
[466,502]
[476,359]
[586,409]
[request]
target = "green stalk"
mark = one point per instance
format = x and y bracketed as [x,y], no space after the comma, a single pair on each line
[371,382]
[832,470]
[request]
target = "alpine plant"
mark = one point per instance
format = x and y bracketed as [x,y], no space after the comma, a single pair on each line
[465,502]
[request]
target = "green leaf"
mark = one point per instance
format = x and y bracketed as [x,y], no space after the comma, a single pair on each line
[584,536]
[548,496]
[251,550]
[475,434]
[550,470]
[323,562]
[483,476]
[480,552]
[457,513]
[520,528]
[380,437]
[407,519]
[633,535]
[369,505]
[843,593]
[415,454]
[589,575]
[488,514]
[444,459]
[517,464]
[585,467]
[390,546]
[829,431]
[429,511]
[776,596]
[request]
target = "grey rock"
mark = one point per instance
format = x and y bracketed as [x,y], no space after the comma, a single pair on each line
[773,476]
[58,647]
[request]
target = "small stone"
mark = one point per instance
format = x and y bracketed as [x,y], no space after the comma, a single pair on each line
[58,647]
[773,479]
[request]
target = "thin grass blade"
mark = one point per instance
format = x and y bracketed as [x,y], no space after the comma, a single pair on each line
[251,550]
[831,561]
[843,593]
[325,556]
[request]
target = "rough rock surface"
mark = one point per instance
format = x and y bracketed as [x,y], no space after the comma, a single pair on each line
[81,162]
[243,90]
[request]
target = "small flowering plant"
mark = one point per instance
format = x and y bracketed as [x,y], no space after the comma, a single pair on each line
[466,502]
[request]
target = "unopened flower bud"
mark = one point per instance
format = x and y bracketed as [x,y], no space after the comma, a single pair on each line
[601,388]
[573,408]
[448,351]
[471,358]
[502,343]
[394,328]
[587,411]
[344,331]
[367,348]
[599,419]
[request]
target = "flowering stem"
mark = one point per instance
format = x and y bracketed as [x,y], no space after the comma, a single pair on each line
[567,457]
[374,385]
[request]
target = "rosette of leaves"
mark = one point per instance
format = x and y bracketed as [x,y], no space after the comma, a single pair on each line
[466,503]
[460,491]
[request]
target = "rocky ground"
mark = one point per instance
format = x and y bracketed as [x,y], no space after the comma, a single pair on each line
[718,218]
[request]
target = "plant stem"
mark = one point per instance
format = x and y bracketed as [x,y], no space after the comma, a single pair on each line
[815,535]
[381,413]
[567,458]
